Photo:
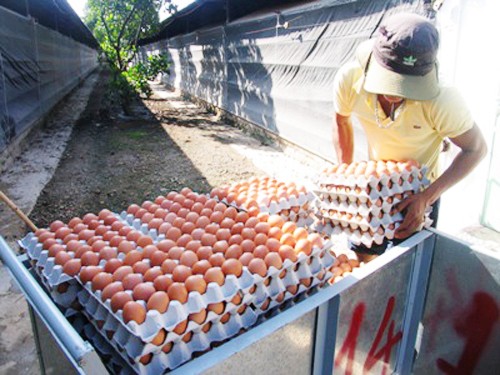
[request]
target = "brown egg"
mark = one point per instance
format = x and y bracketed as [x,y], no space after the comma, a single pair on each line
[168,266]
[107,253]
[126,247]
[101,280]
[232,267]
[247,246]
[260,251]
[237,228]
[143,291]
[198,317]
[245,258]
[159,339]
[248,233]
[178,292]
[260,239]
[193,245]
[217,259]
[175,252]
[111,289]
[152,274]
[316,240]
[289,227]
[215,275]
[287,252]
[234,252]
[300,233]
[258,266]
[167,348]
[196,283]
[188,258]
[303,246]
[87,273]
[131,280]
[141,267]
[121,272]
[62,232]
[273,244]
[274,260]
[165,245]
[200,267]
[56,248]
[70,237]
[134,311]
[162,283]
[204,252]
[158,301]
[217,308]
[62,257]
[181,273]
[276,221]
[90,259]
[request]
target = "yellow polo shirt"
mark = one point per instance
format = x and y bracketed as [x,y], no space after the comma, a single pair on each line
[418,130]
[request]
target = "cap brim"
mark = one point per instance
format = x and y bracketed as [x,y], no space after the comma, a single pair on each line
[380,80]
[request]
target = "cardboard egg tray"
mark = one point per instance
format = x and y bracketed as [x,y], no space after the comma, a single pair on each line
[181,351]
[371,223]
[379,206]
[404,179]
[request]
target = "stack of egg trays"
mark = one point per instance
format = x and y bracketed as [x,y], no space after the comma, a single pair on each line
[62,288]
[114,362]
[275,287]
[368,201]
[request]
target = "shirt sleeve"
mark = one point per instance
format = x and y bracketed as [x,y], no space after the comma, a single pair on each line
[450,114]
[343,91]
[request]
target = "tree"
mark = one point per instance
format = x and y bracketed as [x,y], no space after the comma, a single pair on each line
[119,24]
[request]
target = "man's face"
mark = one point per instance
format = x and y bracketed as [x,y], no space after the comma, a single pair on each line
[393,99]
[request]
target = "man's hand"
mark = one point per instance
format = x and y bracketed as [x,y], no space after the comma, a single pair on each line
[413,209]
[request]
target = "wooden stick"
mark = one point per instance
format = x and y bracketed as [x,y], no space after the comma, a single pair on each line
[18,211]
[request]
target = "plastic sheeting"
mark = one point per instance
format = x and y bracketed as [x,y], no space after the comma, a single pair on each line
[276,69]
[38,67]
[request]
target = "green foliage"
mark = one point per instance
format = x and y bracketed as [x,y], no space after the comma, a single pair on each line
[139,74]
[119,24]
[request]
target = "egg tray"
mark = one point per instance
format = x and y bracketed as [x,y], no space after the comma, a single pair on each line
[415,176]
[317,282]
[387,221]
[304,268]
[181,351]
[364,208]
[177,312]
[111,359]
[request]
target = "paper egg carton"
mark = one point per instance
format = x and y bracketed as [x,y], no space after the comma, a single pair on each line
[181,351]
[111,359]
[414,177]
[317,281]
[366,210]
[176,313]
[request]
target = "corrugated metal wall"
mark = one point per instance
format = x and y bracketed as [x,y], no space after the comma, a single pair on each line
[38,67]
[276,69]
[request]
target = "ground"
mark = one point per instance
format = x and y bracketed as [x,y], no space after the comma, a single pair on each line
[89,156]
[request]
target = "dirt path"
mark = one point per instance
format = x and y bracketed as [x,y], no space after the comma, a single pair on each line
[111,161]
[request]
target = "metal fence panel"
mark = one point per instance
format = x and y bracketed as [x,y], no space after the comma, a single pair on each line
[461,330]
[38,67]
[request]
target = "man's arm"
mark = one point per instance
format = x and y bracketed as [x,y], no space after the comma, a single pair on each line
[472,149]
[343,139]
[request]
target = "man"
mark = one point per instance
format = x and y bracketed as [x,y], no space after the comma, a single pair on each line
[392,89]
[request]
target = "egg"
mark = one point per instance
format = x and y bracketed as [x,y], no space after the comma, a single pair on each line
[141,267]
[162,283]
[62,257]
[168,266]
[232,267]
[199,317]
[287,252]
[258,266]
[273,260]
[111,289]
[245,258]
[108,253]
[188,258]
[167,348]
[178,292]
[159,339]
[196,283]
[126,247]
[217,308]
[88,272]
[157,258]
[152,274]
[72,267]
[200,267]
[89,259]
[303,246]
[233,252]
[300,233]
[101,280]
[260,251]
[215,275]
[158,301]
[143,291]
[130,281]
[217,259]
[180,273]
[134,311]
[204,252]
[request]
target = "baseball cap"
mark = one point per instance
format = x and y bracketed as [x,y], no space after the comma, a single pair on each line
[401,59]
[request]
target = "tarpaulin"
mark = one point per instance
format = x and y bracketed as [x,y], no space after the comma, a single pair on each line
[38,67]
[276,68]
